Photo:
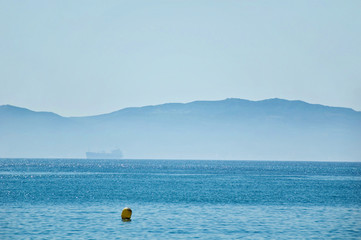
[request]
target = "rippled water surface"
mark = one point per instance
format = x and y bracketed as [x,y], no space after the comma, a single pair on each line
[77,198]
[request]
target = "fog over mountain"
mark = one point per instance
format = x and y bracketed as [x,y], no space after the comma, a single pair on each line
[273,129]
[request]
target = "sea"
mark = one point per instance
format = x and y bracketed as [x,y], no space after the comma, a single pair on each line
[179,199]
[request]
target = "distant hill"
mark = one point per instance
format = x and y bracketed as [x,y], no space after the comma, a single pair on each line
[272,129]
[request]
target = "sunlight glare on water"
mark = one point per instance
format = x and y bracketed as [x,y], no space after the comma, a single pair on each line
[57,198]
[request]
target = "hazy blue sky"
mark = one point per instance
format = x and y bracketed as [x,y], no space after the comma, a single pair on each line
[80,58]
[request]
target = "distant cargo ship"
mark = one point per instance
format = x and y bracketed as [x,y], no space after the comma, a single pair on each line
[115,154]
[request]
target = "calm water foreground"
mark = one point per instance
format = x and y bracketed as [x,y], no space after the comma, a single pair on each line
[83,199]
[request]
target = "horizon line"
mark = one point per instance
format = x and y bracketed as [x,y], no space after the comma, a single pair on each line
[177,159]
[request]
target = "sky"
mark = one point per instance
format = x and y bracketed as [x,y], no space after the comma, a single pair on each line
[79,58]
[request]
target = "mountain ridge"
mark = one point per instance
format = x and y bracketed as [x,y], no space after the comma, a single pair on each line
[225,100]
[233,128]
[237,100]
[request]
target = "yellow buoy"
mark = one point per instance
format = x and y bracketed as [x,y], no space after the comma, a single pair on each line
[126,213]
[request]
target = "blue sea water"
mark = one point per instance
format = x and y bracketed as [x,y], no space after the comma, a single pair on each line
[83,199]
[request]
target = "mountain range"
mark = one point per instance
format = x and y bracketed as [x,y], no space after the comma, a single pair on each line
[234,129]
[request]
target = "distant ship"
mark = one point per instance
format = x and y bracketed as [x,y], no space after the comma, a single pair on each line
[115,154]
